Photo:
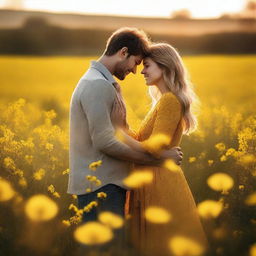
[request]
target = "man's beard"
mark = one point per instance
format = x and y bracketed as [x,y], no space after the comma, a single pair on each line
[120,74]
[121,70]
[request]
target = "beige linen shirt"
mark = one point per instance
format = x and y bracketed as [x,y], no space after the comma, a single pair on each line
[92,133]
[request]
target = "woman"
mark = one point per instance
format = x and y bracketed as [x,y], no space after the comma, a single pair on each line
[171,115]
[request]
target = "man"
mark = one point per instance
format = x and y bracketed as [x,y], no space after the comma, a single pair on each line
[92,132]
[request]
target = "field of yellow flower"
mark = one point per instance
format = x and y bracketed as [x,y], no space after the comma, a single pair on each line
[38,217]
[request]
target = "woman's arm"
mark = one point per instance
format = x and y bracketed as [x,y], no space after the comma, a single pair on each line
[167,118]
[125,136]
[174,153]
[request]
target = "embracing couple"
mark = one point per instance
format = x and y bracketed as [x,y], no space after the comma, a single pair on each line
[97,110]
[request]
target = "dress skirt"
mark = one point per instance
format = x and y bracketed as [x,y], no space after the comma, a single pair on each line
[170,191]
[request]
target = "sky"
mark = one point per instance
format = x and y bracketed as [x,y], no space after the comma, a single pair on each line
[151,8]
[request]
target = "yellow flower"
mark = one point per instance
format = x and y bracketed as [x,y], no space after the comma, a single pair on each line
[50,114]
[210,162]
[9,163]
[23,182]
[202,155]
[91,178]
[156,143]
[253,250]
[247,159]
[49,146]
[40,208]
[28,143]
[51,188]
[29,158]
[220,182]
[93,203]
[74,196]
[101,195]
[245,137]
[66,223]
[6,190]
[56,194]
[89,206]
[94,165]
[38,175]
[97,182]
[138,178]
[157,215]
[88,177]
[66,172]
[230,152]
[171,166]
[220,146]
[88,190]
[241,187]
[223,158]
[184,246]
[111,220]
[19,173]
[192,159]
[93,233]
[209,208]
[54,159]
[75,219]
[72,206]
[86,209]
[251,199]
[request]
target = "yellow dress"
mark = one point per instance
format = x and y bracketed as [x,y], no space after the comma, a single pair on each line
[169,190]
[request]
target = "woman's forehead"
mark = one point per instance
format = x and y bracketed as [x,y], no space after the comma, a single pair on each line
[147,60]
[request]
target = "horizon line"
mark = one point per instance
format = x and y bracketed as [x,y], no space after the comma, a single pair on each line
[111,14]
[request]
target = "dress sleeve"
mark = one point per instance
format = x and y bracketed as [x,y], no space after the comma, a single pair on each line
[132,133]
[168,115]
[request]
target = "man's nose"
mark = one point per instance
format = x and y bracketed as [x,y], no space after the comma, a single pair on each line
[142,71]
[134,70]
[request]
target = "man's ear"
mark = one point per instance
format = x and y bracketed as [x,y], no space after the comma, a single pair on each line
[124,52]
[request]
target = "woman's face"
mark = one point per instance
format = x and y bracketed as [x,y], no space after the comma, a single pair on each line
[151,71]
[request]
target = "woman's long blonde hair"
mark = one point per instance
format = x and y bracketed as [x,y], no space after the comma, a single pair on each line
[176,79]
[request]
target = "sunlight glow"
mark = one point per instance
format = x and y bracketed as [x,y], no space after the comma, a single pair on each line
[161,8]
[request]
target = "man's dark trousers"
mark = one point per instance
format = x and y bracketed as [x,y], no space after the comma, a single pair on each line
[115,203]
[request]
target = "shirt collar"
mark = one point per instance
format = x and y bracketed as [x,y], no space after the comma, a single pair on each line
[103,70]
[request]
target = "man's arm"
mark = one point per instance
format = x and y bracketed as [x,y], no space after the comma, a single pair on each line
[174,153]
[96,100]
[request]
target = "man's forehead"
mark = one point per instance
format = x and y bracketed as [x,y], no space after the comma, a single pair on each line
[138,59]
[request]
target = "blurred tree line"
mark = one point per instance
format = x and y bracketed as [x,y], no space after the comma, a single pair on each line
[39,37]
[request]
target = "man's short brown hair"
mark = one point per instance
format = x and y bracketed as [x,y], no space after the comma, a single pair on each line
[134,39]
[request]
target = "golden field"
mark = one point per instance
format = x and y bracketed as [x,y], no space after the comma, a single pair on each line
[219,158]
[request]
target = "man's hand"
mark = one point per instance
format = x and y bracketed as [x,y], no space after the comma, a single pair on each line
[174,153]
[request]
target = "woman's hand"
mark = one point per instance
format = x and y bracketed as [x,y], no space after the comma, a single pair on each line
[118,114]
